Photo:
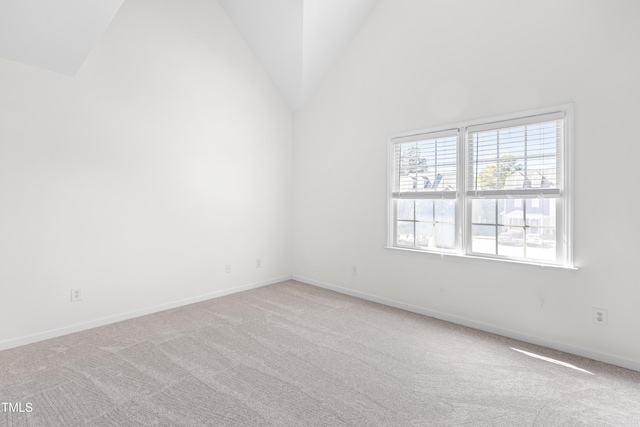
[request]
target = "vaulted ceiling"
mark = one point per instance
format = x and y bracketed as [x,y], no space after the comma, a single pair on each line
[297,41]
[55,35]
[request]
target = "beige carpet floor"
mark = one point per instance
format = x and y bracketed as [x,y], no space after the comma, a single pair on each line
[290,354]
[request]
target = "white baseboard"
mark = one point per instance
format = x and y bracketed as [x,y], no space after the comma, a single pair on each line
[54,333]
[602,357]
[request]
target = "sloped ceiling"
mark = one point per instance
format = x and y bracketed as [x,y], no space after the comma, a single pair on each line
[53,34]
[297,41]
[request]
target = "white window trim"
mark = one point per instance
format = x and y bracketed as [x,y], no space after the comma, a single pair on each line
[462,245]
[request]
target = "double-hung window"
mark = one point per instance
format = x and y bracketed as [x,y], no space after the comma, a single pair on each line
[494,188]
[424,190]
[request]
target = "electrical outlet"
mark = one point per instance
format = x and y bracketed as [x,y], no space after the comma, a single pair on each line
[354,270]
[600,316]
[76,294]
[258,263]
[227,268]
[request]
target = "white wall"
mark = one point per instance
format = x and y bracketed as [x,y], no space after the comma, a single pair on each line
[417,64]
[165,158]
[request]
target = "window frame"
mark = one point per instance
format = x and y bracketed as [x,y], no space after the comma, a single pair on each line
[434,196]
[463,221]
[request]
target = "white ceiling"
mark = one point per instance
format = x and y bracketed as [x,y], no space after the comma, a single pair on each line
[297,41]
[56,35]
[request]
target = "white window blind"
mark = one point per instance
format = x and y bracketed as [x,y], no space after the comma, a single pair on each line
[516,157]
[425,166]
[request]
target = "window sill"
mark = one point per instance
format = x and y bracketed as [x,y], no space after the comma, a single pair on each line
[501,263]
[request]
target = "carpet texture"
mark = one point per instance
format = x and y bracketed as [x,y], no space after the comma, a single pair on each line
[290,354]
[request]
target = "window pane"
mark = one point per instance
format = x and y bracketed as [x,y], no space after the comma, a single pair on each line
[541,244]
[485,153]
[426,165]
[533,237]
[410,163]
[445,210]
[424,235]
[510,212]
[541,213]
[445,236]
[516,157]
[511,242]
[405,236]
[405,209]
[447,159]
[483,211]
[424,210]
[427,230]
[483,239]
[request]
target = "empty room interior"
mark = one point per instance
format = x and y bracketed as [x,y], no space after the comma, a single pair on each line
[308,212]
